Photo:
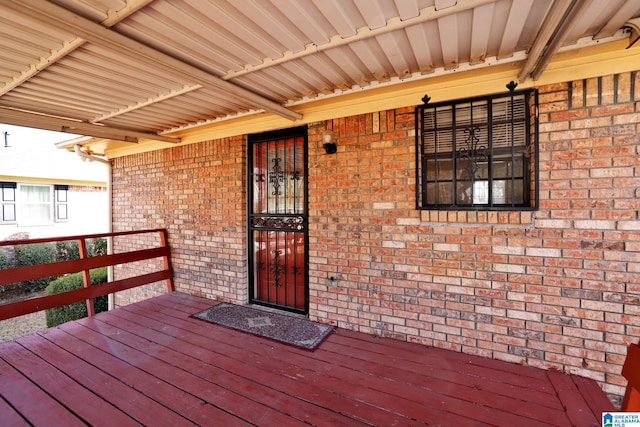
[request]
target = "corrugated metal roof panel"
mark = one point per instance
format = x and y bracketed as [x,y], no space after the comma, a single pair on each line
[181,63]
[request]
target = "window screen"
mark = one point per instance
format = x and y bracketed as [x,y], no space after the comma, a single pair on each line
[35,204]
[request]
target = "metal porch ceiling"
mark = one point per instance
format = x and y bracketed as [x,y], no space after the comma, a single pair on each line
[129,69]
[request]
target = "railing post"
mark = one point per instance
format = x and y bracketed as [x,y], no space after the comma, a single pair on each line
[86,275]
[164,241]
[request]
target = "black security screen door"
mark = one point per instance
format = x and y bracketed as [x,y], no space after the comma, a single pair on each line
[278,219]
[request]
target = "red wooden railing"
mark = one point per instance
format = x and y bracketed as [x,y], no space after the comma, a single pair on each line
[84,264]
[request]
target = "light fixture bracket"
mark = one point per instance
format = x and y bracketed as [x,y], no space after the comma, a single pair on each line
[634,27]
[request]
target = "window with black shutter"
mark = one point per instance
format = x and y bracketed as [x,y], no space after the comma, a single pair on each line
[8,202]
[62,202]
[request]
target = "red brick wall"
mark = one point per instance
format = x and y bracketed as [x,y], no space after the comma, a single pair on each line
[558,288]
[198,193]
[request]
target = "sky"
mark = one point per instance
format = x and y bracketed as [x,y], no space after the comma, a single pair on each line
[32,152]
[30,137]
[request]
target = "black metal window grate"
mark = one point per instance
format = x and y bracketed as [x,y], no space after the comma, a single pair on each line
[479,153]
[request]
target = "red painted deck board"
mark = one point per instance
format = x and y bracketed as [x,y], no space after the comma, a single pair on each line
[592,394]
[229,348]
[10,417]
[128,399]
[161,382]
[20,393]
[151,363]
[94,409]
[346,388]
[232,374]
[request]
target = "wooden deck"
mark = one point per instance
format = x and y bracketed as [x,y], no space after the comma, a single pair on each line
[150,363]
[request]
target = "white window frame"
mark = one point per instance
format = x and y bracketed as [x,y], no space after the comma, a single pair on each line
[20,206]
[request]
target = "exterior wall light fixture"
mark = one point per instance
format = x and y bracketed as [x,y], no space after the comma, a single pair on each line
[328,142]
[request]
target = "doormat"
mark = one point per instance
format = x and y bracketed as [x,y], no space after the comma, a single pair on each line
[279,327]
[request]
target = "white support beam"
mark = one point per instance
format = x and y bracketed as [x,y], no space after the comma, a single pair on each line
[71,45]
[22,118]
[558,39]
[98,34]
[41,65]
[150,101]
[557,11]
[426,15]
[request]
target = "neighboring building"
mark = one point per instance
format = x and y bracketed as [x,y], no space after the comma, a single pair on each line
[46,192]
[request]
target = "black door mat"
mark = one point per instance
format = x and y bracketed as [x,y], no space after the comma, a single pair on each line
[279,327]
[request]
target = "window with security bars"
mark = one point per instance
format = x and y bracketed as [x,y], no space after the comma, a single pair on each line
[478,153]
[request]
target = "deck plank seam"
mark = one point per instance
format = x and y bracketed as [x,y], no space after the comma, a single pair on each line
[293,350]
[293,395]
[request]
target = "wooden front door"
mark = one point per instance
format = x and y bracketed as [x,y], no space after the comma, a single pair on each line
[278,219]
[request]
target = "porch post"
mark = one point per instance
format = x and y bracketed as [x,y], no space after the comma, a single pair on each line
[164,241]
[86,275]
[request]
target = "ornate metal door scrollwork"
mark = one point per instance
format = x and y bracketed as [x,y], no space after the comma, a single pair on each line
[277,267]
[285,223]
[472,153]
[281,223]
[276,176]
